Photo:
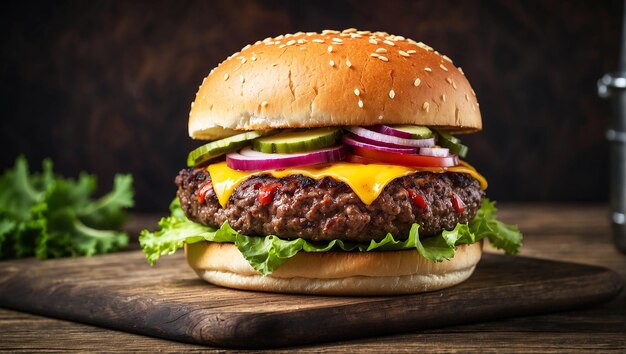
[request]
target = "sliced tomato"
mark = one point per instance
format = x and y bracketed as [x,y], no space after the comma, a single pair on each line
[407,159]
[360,159]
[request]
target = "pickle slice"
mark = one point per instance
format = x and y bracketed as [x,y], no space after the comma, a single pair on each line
[447,136]
[452,143]
[216,148]
[297,140]
[416,131]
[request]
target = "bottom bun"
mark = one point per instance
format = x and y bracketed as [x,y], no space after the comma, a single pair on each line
[334,273]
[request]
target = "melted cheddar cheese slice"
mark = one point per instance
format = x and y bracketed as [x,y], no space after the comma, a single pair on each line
[367,181]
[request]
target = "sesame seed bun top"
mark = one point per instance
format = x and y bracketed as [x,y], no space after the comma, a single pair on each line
[307,80]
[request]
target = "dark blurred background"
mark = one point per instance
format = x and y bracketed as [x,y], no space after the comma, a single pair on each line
[105,86]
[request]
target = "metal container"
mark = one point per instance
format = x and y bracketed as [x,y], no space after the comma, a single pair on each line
[613,85]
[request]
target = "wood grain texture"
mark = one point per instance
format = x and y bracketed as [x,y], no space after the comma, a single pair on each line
[120,291]
[597,328]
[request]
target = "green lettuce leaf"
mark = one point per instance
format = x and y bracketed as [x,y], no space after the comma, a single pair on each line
[266,254]
[45,215]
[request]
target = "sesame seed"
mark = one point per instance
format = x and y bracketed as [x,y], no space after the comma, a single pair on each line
[298,33]
[392,94]
[389,42]
[281,46]
[212,70]
[426,106]
[241,79]
[417,82]
[373,41]
[449,80]
[473,93]
[446,58]
[423,46]
[349,30]
[389,38]
[253,58]
[302,41]
[374,55]
[381,50]
[225,76]
[317,40]
[400,38]
[243,61]
[428,69]
[291,42]
[466,97]
[337,40]
[279,38]
[309,34]
[326,31]
[357,92]
[269,43]
[443,98]
[380,117]
[363,32]
[248,46]
[454,84]
[355,35]
[403,53]
[330,48]
[360,104]
[461,70]
[443,67]
[331,62]
[474,108]
[264,104]
[411,51]
[348,63]
[383,58]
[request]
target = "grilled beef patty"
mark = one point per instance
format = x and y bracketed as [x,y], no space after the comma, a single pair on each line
[325,209]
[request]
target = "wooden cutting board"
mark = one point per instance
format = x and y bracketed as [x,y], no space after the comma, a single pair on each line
[121,291]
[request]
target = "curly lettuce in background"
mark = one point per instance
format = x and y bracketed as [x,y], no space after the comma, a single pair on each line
[48,216]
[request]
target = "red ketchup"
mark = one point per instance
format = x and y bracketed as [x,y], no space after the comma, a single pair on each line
[266,194]
[458,203]
[418,199]
[203,191]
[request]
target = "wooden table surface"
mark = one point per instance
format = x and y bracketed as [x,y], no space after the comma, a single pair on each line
[578,233]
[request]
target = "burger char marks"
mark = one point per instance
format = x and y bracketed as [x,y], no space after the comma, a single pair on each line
[326,209]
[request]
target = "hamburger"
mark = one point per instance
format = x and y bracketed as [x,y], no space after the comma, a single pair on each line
[331,166]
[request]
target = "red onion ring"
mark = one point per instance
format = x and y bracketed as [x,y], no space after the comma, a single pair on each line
[387,130]
[348,140]
[437,152]
[249,160]
[372,137]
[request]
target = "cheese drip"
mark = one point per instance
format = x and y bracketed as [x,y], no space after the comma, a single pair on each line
[367,181]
